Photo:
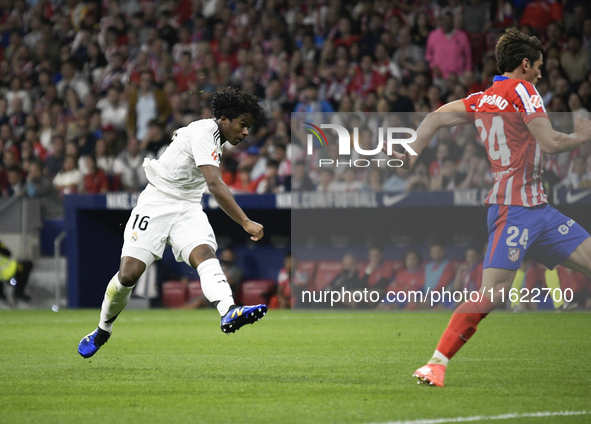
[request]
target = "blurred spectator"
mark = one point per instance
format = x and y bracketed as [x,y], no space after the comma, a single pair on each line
[448,49]
[409,57]
[15,186]
[155,139]
[410,278]
[95,179]
[366,79]
[55,158]
[439,272]
[469,273]
[374,181]
[398,181]
[270,181]
[146,103]
[69,179]
[378,273]
[72,79]
[104,160]
[326,180]
[113,74]
[184,75]
[16,272]
[242,182]
[350,182]
[348,279]
[419,32]
[575,60]
[128,164]
[538,14]
[40,186]
[300,181]
[449,177]
[476,17]
[284,283]
[113,110]
[576,175]
[309,101]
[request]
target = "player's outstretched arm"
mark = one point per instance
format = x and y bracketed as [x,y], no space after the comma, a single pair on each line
[448,115]
[553,142]
[220,192]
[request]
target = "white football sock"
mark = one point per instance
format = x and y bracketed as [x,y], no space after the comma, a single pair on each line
[215,286]
[116,298]
[439,358]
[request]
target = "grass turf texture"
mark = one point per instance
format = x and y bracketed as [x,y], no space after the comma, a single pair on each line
[163,366]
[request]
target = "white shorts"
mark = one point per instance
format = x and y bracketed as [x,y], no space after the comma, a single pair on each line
[159,219]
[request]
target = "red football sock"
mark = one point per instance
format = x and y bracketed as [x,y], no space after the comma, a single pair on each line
[462,325]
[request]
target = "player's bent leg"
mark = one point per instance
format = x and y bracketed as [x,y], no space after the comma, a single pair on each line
[116,298]
[463,324]
[217,290]
[580,259]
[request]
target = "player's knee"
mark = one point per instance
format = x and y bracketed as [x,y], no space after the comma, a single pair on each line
[130,273]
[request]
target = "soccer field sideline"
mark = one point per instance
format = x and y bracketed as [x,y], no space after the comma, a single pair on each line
[491,418]
[171,366]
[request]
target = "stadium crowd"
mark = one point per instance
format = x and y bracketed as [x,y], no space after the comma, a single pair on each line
[88,89]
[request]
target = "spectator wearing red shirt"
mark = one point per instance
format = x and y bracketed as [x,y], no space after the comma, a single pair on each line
[184,75]
[540,13]
[378,273]
[345,37]
[284,283]
[95,180]
[410,278]
[469,273]
[242,182]
[367,79]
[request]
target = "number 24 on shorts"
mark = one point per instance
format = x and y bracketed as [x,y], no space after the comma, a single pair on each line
[513,232]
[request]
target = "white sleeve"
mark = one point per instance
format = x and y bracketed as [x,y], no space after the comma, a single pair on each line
[205,151]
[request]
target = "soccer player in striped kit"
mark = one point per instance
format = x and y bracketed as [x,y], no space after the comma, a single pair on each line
[512,122]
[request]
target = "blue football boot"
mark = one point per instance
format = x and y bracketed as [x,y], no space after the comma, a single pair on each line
[90,344]
[238,316]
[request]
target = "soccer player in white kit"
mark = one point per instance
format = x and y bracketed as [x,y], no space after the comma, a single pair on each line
[169,211]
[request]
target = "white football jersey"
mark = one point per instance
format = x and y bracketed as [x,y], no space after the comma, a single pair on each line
[177,172]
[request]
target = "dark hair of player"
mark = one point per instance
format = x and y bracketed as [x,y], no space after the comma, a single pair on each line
[231,103]
[513,47]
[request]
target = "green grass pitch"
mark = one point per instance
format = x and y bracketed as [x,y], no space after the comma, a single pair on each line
[164,366]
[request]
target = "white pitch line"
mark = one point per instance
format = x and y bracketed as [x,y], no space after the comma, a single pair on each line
[491,417]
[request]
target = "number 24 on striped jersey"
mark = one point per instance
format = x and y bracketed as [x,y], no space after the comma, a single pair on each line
[496,133]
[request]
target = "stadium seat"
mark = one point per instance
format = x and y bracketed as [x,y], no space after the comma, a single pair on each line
[194,289]
[306,270]
[253,292]
[325,273]
[174,294]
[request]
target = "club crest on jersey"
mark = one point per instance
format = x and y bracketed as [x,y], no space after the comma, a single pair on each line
[536,101]
[134,237]
[514,254]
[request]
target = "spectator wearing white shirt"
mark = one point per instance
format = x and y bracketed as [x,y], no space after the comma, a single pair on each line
[113,109]
[128,164]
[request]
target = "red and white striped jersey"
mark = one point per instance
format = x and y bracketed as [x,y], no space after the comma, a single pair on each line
[501,115]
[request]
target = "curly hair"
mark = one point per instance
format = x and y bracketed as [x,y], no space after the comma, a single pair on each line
[231,103]
[513,47]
